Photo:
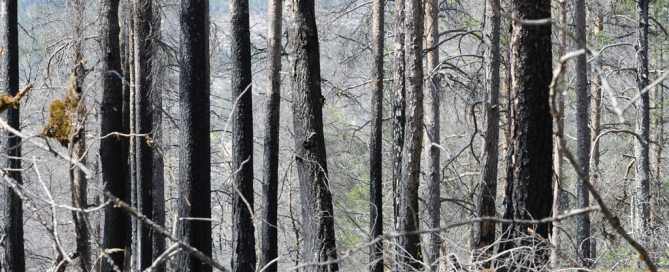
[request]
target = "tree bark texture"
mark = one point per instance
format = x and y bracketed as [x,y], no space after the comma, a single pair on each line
[532,126]
[409,244]
[641,201]
[194,140]
[243,236]
[270,186]
[114,149]
[376,139]
[12,205]
[317,210]
[488,188]
[432,127]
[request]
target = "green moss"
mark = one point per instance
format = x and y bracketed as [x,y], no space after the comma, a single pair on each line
[64,113]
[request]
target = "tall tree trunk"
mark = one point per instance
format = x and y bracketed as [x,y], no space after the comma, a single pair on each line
[270,187]
[408,221]
[583,137]
[432,127]
[376,140]
[317,211]
[12,205]
[558,207]
[243,235]
[399,105]
[488,188]
[158,178]
[145,31]
[77,144]
[595,110]
[113,149]
[641,203]
[532,130]
[195,150]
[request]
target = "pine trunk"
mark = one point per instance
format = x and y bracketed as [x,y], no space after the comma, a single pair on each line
[194,141]
[243,235]
[376,140]
[317,211]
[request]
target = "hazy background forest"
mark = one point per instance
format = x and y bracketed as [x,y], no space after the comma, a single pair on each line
[49,32]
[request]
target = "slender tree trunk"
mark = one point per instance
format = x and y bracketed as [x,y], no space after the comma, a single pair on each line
[432,127]
[77,143]
[195,152]
[376,140]
[145,31]
[158,178]
[269,245]
[317,211]
[583,137]
[113,150]
[641,146]
[532,130]
[243,239]
[399,105]
[558,191]
[408,221]
[595,110]
[488,188]
[12,205]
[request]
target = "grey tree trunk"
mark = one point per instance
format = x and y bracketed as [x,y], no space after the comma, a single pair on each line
[558,207]
[317,211]
[432,127]
[582,136]
[641,201]
[270,187]
[12,205]
[145,31]
[531,61]
[376,140]
[595,123]
[399,105]
[409,244]
[158,66]
[77,144]
[243,234]
[194,141]
[113,150]
[488,187]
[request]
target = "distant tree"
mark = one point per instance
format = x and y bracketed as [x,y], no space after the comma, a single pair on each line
[317,211]
[376,139]
[595,123]
[409,244]
[243,239]
[12,205]
[268,246]
[195,150]
[113,149]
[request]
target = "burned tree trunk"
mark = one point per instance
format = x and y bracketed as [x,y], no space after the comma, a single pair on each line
[408,221]
[113,149]
[243,236]
[376,140]
[12,205]
[195,150]
[268,246]
[317,211]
